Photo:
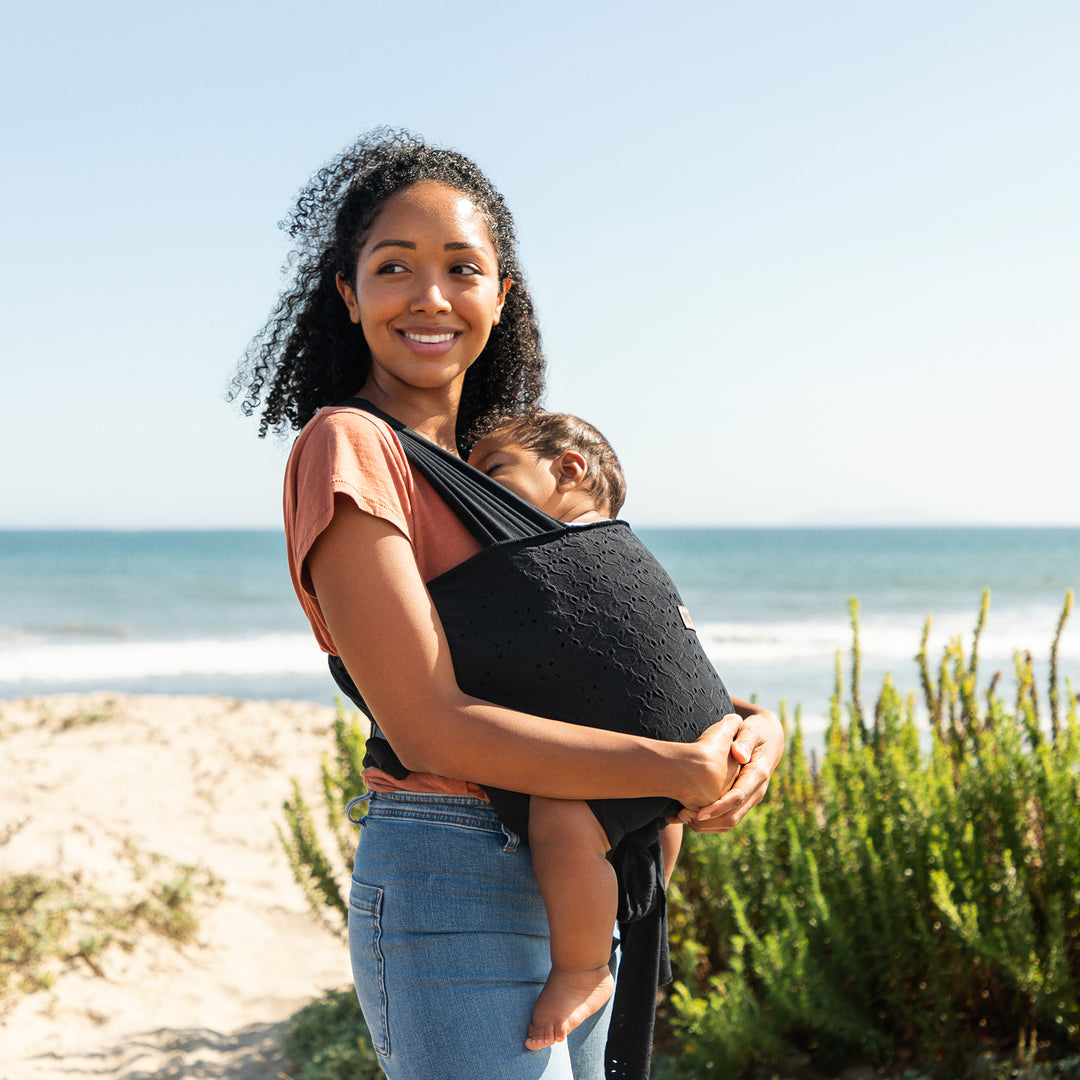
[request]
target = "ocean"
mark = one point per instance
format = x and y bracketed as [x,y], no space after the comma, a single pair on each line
[213,612]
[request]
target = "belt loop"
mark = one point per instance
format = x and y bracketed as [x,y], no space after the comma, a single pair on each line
[359,820]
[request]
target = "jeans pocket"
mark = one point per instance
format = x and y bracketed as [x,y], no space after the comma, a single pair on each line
[365,952]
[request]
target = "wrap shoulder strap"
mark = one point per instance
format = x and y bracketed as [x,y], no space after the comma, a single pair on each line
[489,511]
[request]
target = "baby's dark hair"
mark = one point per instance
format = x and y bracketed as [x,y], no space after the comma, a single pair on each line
[309,354]
[552,434]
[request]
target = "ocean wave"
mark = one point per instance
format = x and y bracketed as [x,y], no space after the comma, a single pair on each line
[27,635]
[62,663]
[885,638]
[761,646]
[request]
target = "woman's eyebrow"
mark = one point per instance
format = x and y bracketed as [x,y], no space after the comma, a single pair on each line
[454,245]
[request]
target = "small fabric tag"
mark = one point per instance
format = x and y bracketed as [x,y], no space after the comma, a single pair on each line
[687,621]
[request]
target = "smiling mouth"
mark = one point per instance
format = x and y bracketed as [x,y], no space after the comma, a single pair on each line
[428,339]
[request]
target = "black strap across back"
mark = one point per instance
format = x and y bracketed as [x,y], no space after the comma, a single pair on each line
[578,624]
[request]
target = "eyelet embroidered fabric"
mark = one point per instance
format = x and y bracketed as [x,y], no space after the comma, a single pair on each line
[580,625]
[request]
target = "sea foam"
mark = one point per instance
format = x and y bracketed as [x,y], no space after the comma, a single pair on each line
[65,663]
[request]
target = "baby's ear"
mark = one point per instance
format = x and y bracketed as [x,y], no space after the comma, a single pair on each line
[571,471]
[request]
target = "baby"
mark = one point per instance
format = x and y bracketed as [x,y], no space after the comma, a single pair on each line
[566,468]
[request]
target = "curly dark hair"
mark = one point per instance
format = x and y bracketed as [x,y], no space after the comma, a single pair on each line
[309,354]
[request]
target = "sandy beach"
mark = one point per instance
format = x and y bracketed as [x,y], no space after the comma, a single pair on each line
[107,790]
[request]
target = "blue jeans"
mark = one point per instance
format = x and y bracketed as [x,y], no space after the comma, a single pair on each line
[449,945]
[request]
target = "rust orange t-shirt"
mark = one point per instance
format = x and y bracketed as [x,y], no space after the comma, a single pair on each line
[346,451]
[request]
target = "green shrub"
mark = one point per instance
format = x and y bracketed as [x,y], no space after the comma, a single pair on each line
[329,1040]
[34,917]
[901,903]
[48,924]
[312,868]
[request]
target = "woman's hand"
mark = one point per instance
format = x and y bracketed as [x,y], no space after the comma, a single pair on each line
[756,750]
[708,766]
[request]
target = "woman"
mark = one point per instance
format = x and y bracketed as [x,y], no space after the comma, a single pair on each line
[408,294]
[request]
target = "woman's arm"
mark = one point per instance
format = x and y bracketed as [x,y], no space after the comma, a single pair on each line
[389,636]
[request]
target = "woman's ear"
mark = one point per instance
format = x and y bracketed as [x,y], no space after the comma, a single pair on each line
[502,300]
[570,471]
[348,294]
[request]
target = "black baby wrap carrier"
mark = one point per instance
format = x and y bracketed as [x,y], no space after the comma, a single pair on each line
[578,624]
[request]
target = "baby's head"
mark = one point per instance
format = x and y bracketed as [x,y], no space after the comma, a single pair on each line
[559,463]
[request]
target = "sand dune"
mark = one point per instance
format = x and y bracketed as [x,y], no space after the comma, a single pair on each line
[98,787]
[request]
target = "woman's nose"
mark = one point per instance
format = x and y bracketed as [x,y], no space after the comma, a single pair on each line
[429,299]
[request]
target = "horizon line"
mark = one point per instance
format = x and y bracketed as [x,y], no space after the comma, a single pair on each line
[683,526]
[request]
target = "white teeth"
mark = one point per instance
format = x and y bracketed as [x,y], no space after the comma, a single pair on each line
[430,339]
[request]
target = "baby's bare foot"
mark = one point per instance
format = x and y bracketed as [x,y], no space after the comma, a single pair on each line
[568,998]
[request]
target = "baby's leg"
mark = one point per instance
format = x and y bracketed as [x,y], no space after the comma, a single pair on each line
[670,842]
[581,896]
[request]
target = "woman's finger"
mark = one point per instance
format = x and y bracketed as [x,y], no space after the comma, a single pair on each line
[761,741]
[741,794]
[727,728]
[731,808]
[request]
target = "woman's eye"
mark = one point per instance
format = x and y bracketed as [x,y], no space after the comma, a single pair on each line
[392,268]
[465,268]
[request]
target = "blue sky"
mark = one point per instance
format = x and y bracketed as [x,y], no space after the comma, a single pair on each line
[802,263]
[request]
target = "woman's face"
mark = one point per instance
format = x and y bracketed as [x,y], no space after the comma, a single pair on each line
[427,289]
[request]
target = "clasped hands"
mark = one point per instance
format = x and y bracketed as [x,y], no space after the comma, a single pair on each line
[743,752]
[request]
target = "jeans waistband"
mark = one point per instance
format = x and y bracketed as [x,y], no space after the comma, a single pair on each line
[461,810]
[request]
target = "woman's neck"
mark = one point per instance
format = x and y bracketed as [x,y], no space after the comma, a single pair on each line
[429,412]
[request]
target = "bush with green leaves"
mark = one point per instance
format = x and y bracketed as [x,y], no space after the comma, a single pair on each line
[48,924]
[329,1040]
[321,875]
[912,900]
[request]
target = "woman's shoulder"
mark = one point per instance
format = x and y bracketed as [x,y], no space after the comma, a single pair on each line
[346,421]
[345,451]
[343,434]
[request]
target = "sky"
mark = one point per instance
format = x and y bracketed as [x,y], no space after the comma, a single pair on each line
[804,264]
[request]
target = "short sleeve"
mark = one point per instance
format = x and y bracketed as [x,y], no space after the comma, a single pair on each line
[341,451]
[351,452]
